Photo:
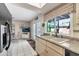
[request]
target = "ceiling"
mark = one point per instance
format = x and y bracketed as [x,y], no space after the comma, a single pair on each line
[26,12]
[19,13]
[38,5]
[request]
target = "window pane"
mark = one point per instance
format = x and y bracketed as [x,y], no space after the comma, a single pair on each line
[51,26]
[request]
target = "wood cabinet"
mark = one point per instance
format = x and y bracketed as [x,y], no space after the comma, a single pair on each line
[51,52]
[42,50]
[45,48]
[56,48]
[40,46]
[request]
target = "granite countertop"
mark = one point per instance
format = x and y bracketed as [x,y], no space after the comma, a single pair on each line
[70,44]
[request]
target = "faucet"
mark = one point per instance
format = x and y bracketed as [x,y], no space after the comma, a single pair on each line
[57,30]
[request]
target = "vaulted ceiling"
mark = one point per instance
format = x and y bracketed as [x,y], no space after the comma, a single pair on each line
[26,11]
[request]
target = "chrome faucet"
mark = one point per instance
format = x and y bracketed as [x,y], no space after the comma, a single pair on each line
[57,30]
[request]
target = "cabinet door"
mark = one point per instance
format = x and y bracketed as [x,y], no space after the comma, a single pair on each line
[58,49]
[51,52]
[41,47]
[42,50]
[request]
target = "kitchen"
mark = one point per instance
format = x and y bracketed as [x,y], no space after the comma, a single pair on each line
[41,30]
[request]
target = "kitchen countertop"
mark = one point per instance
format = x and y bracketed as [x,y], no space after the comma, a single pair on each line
[70,44]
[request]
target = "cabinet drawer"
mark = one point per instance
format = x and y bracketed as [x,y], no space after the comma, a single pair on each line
[56,48]
[42,41]
[51,52]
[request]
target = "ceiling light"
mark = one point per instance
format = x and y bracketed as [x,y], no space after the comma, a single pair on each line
[39,5]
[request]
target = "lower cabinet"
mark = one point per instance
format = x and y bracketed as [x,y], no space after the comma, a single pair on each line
[56,48]
[51,52]
[41,47]
[45,48]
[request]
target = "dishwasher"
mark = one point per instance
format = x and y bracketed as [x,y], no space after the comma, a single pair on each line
[70,53]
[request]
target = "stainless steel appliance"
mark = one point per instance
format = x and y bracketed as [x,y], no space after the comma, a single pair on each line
[5,36]
[5,27]
[2,31]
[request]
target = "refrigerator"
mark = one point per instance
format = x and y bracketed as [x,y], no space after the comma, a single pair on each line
[5,27]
